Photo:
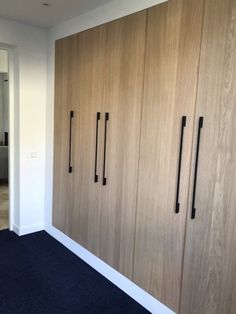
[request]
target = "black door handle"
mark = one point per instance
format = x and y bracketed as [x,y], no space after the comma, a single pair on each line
[70,141]
[200,126]
[96,148]
[104,181]
[183,125]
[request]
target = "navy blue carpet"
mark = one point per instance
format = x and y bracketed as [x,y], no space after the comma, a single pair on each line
[39,275]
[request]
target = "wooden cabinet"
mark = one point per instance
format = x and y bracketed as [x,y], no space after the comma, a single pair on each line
[65,102]
[209,282]
[109,80]
[145,111]
[84,220]
[123,88]
[173,47]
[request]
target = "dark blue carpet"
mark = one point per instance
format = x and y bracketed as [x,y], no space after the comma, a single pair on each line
[39,275]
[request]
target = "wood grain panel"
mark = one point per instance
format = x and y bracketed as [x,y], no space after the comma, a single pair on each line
[209,283]
[173,47]
[122,99]
[65,100]
[84,220]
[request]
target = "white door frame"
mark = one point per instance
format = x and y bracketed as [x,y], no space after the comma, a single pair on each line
[12,160]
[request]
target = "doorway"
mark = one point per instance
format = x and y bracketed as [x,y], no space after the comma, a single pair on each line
[4,139]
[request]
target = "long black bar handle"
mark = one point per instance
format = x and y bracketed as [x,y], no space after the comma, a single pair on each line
[200,126]
[183,125]
[104,181]
[70,141]
[96,148]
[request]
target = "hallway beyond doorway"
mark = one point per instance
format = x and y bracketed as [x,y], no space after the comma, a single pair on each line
[4,207]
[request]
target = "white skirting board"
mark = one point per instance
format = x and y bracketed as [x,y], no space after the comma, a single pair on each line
[20,231]
[139,295]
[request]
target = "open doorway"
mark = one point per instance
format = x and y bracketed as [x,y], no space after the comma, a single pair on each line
[4,136]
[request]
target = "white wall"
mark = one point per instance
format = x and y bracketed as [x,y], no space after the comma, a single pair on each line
[106,13]
[3,61]
[29,49]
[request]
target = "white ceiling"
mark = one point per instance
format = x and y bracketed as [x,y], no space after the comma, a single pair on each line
[33,12]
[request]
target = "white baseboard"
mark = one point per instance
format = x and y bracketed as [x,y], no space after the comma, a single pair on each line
[139,295]
[20,231]
[15,229]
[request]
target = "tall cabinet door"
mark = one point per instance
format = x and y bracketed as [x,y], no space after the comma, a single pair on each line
[122,100]
[209,281]
[172,56]
[84,219]
[65,101]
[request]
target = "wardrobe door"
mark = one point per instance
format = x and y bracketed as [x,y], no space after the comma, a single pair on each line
[172,56]
[65,99]
[122,101]
[209,281]
[84,220]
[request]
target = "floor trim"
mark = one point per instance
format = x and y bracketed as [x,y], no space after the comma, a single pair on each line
[20,231]
[139,295]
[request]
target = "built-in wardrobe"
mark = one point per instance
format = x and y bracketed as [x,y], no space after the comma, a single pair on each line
[145,150]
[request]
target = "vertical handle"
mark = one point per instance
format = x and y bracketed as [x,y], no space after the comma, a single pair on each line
[70,140]
[104,181]
[96,148]
[200,126]
[183,125]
